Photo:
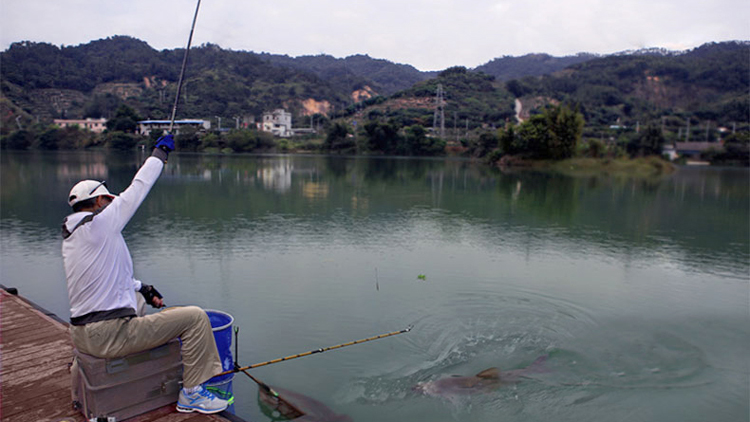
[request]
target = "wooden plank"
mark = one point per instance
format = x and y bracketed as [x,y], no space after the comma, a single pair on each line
[50,407]
[45,344]
[19,301]
[169,414]
[16,361]
[36,350]
[23,392]
[33,329]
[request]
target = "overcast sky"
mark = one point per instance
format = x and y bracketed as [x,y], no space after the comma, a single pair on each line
[427,34]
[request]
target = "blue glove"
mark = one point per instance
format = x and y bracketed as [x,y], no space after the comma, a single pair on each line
[166,143]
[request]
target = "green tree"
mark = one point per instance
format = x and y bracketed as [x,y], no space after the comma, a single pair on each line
[125,120]
[737,147]
[533,135]
[487,142]
[20,139]
[244,140]
[211,142]
[554,134]
[381,137]
[565,130]
[410,143]
[516,88]
[507,141]
[595,148]
[736,151]
[649,142]
[120,140]
[263,140]
[188,140]
[416,142]
[241,141]
[74,137]
[338,139]
[483,145]
[49,138]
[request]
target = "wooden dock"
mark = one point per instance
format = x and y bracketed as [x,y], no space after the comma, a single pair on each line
[35,353]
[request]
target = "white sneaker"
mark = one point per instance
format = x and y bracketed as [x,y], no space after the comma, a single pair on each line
[202,401]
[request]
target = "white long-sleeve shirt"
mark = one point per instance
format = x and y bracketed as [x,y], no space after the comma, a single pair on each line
[98,265]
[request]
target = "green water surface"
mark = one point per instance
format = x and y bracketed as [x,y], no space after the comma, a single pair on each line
[636,289]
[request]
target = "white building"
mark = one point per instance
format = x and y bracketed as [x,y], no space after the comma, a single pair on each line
[94,125]
[278,122]
[145,127]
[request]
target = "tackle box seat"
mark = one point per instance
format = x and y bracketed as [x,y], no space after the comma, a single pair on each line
[127,386]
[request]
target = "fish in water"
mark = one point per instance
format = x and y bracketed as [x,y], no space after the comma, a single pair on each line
[302,409]
[486,381]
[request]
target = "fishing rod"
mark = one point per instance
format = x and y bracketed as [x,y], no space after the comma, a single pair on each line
[184,65]
[312,352]
[290,411]
[287,409]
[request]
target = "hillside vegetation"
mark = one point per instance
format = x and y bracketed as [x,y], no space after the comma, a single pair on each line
[507,68]
[369,105]
[709,83]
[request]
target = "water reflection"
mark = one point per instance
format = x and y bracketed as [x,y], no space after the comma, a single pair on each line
[276,175]
[696,214]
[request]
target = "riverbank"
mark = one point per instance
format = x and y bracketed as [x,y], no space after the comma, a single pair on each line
[644,167]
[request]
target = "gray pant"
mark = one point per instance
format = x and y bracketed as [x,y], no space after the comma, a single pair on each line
[123,336]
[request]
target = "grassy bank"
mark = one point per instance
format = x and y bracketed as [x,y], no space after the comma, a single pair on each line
[636,167]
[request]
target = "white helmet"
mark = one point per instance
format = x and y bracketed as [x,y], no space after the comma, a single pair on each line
[87,189]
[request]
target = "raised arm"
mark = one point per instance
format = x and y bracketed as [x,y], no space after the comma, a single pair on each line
[124,206]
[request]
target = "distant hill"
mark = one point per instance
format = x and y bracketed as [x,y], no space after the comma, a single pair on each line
[705,88]
[507,68]
[43,81]
[355,71]
[92,79]
[471,100]
[709,83]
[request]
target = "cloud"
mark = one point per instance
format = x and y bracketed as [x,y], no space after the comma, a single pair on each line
[430,35]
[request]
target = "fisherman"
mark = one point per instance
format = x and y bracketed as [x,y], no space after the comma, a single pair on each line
[102,289]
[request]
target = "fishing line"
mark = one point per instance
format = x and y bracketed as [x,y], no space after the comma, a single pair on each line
[184,65]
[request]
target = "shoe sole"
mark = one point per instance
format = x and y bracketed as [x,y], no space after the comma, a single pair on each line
[196,409]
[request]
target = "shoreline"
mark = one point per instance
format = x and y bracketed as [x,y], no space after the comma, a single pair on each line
[644,167]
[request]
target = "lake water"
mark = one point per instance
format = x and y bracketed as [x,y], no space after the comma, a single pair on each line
[637,290]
